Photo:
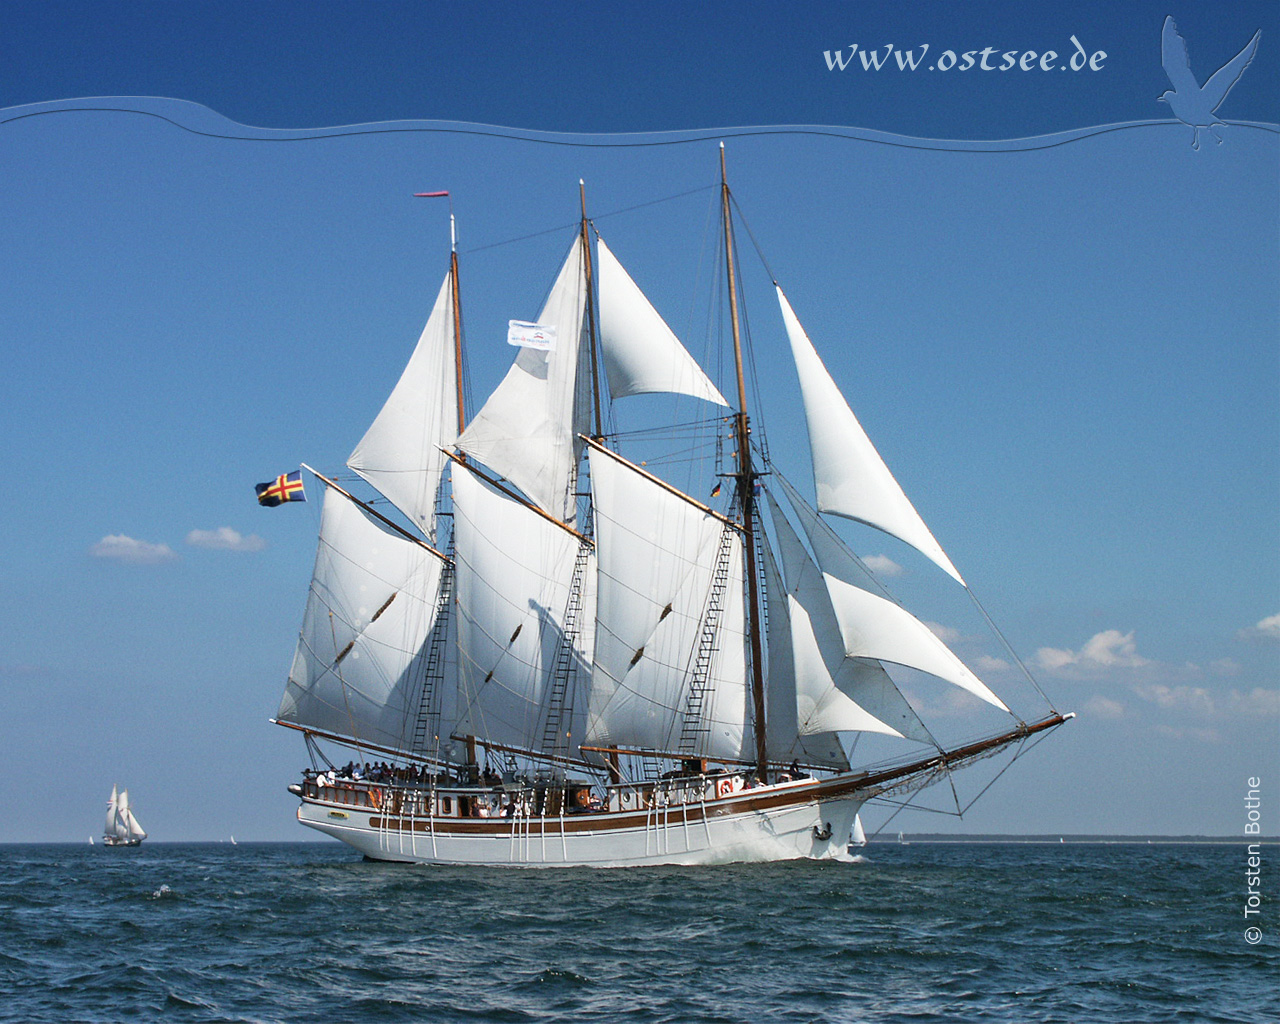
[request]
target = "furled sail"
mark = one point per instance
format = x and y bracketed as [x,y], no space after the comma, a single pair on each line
[872,626]
[360,665]
[670,660]
[528,429]
[401,453]
[850,476]
[641,354]
[862,680]
[520,621]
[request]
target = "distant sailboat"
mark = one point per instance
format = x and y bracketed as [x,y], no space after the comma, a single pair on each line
[858,836]
[122,828]
[233,841]
[902,841]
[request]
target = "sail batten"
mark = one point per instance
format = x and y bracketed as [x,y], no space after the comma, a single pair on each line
[850,477]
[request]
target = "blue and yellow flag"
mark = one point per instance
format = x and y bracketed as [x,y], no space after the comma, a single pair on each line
[286,487]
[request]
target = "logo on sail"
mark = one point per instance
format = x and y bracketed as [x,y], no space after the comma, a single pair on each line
[530,335]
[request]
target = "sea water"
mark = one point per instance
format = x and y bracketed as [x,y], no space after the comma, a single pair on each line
[917,933]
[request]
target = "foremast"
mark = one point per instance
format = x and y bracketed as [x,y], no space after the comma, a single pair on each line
[746,482]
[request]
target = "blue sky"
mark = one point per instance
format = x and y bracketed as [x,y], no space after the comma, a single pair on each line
[1066,351]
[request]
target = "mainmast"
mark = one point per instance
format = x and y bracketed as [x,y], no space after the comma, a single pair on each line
[746,478]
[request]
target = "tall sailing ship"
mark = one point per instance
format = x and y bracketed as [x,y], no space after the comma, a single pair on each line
[122,828]
[546,654]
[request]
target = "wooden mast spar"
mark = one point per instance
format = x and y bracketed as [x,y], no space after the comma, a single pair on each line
[746,477]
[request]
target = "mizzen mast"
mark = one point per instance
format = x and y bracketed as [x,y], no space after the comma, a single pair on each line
[746,480]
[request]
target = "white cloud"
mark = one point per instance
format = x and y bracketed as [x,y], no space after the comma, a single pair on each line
[1195,699]
[1204,703]
[225,539]
[1109,649]
[1103,707]
[1266,629]
[120,548]
[944,633]
[1181,733]
[990,666]
[882,565]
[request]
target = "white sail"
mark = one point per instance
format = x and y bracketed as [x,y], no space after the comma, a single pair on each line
[131,827]
[782,718]
[665,564]
[359,669]
[121,829]
[858,837]
[871,626]
[641,354]
[850,476]
[113,811]
[515,573]
[863,681]
[400,453]
[528,429]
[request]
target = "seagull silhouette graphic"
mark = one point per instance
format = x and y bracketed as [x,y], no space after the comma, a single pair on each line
[1193,104]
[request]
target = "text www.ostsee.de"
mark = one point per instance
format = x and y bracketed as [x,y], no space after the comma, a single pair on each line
[989,58]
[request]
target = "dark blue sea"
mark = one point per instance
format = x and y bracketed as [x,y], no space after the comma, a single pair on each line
[918,933]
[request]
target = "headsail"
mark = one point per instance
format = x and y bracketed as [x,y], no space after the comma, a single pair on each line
[641,354]
[862,680]
[850,477]
[401,453]
[782,716]
[361,659]
[872,626]
[528,429]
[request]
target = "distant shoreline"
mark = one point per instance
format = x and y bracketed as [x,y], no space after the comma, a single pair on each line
[884,839]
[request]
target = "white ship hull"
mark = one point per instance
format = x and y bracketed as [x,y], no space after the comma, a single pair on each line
[789,821]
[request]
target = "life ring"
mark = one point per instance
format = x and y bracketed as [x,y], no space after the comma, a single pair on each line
[724,787]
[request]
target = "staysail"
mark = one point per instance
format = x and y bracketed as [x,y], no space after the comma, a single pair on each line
[361,660]
[401,454]
[851,478]
[641,354]
[862,680]
[871,626]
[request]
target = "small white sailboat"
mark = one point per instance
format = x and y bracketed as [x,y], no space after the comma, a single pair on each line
[656,681]
[122,828]
[858,837]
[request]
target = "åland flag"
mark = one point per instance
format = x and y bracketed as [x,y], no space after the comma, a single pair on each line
[286,487]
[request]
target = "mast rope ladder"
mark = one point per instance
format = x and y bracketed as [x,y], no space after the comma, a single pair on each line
[428,722]
[693,726]
[559,705]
